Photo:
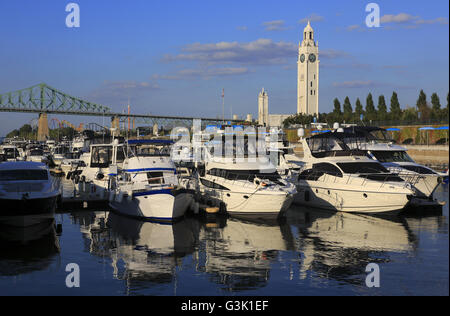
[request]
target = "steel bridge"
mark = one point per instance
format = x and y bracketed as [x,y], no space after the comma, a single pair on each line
[43,100]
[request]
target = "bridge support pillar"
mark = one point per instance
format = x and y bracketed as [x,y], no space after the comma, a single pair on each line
[43,132]
[115,123]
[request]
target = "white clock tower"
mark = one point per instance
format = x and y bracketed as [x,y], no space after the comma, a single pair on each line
[308,74]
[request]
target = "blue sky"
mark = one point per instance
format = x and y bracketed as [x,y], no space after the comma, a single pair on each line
[174,57]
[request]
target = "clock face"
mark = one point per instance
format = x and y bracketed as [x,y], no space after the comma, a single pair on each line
[302,58]
[312,58]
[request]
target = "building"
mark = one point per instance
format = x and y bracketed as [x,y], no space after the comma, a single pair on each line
[308,74]
[276,120]
[263,108]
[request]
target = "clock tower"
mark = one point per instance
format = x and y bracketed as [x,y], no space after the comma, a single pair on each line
[308,74]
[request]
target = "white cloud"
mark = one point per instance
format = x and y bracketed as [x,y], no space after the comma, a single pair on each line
[276,25]
[399,18]
[313,17]
[203,73]
[259,52]
[410,20]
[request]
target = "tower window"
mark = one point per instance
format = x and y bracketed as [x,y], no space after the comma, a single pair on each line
[311,92]
[310,35]
[311,84]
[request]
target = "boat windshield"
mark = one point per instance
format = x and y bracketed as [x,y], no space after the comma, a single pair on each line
[148,151]
[370,170]
[248,175]
[11,153]
[362,167]
[21,175]
[392,156]
[36,152]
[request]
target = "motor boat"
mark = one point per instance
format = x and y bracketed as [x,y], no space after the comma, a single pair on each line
[243,185]
[378,146]
[147,185]
[59,153]
[338,178]
[28,193]
[36,154]
[11,153]
[98,167]
[71,161]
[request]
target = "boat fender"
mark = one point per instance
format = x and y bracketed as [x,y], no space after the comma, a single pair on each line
[83,179]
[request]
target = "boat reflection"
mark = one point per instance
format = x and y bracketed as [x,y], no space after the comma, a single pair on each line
[27,249]
[339,245]
[433,222]
[142,253]
[239,255]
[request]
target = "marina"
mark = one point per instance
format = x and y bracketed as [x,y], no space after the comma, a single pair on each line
[312,252]
[218,155]
[137,221]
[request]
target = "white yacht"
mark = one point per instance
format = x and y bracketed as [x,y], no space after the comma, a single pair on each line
[98,167]
[11,153]
[148,187]
[71,161]
[28,193]
[337,178]
[376,143]
[58,153]
[36,154]
[244,186]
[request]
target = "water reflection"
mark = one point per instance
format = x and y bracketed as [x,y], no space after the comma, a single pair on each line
[27,249]
[239,255]
[339,245]
[235,255]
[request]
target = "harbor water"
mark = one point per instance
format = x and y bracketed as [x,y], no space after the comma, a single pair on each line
[310,252]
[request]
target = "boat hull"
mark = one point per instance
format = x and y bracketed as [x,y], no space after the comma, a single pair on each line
[245,203]
[27,212]
[351,200]
[159,206]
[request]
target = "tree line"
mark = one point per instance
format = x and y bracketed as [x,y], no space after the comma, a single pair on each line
[30,133]
[422,112]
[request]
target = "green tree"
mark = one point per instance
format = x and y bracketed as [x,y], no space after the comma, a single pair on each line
[395,110]
[358,110]
[25,130]
[422,106]
[371,113]
[436,106]
[382,109]
[337,112]
[348,111]
[410,114]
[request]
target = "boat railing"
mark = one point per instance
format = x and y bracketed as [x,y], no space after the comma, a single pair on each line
[364,179]
[246,180]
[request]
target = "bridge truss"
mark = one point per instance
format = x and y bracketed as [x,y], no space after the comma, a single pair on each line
[42,98]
